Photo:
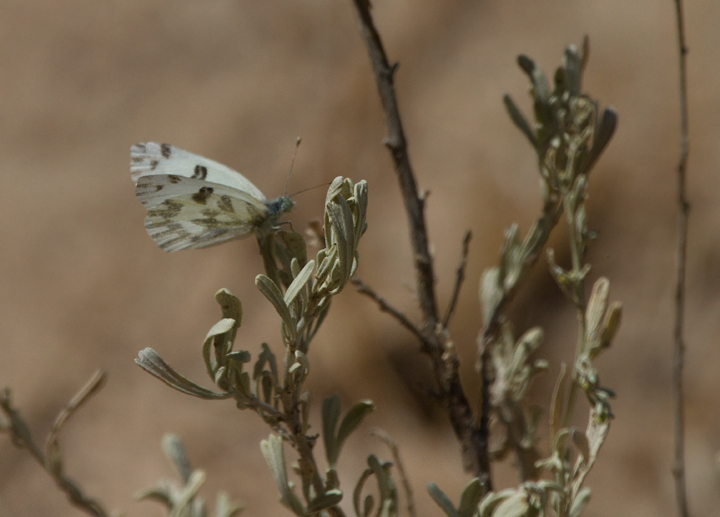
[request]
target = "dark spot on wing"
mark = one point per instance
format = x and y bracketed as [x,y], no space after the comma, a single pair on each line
[200,172]
[158,188]
[174,179]
[153,164]
[141,147]
[163,213]
[165,150]
[225,204]
[202,195]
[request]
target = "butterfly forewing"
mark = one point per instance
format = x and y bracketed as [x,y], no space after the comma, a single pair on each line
[152,158]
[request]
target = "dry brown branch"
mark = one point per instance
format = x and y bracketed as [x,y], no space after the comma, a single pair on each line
[684,206]
[460,276]
[51,461]
[473,440]
[395,451]
[386,307]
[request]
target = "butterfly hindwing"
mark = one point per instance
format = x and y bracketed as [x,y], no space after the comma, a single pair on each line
[187,213]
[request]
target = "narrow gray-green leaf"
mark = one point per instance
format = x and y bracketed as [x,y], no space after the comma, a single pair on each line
[360,193]
[518,119]
[162,495]
[226,507]
[222,327]
[368,504]
[470,498]
[230,306]
[492,500]
[341,220]
[612,324]
[326,266]
[350,422]
[540,84]
[266,383]
[299,283]
[336,187]
[271,291]
[241,356]
[331,479]
[174,451]
[442,500]
[266,356]
[272,451]
[573,70]
[382,477]
[604,132]
[509,258]
[296,247]
[330,417]
[581,442]
[580,502]
[527,65]
[221,378]
[357,492]
[198,508]
[155,365]
[490,293]
[526,345]
[514,506]
[190,490]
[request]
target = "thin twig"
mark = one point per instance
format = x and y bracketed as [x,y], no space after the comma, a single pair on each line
[458,280]
[396,143]
[395,451]
[52,460]
[445,363]
[679,352]
[386,307]
[91,387]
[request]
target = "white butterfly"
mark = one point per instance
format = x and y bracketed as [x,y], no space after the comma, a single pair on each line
[193,202]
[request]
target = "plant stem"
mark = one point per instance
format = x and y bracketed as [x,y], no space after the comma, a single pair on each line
[684,208]
[578,292]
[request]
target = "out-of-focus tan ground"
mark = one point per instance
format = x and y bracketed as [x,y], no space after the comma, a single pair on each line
[83,286]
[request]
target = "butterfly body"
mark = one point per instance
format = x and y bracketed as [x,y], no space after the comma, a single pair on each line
[193,202]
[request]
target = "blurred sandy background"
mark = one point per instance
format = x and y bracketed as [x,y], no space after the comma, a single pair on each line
[84,287]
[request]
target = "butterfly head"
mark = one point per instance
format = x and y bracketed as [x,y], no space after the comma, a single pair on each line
[279,206]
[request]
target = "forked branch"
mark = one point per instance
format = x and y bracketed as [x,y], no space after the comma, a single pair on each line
[52,460]
[473,440]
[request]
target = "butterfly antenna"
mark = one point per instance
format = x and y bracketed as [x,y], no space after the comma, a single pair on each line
[311,188]
[287,181]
